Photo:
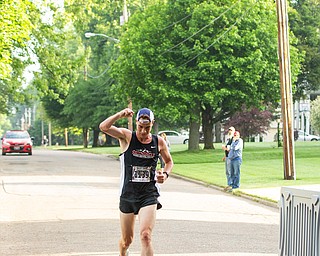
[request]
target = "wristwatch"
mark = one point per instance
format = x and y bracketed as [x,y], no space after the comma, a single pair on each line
[166,174]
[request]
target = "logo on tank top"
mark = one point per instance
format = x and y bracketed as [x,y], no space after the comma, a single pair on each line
[143,153]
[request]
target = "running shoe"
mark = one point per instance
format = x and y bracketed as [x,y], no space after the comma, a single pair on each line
[127,253]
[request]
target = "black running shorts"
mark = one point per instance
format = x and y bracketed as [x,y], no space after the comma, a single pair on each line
[130,206]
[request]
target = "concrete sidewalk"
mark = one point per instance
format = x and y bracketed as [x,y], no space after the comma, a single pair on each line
[269,196]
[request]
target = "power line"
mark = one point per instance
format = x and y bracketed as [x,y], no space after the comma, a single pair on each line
[177,22]
[215,19]
[103,72]
[236,22]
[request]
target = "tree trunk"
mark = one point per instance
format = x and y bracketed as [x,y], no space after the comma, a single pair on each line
[194,135]
[85,137]
[95,142]
[155,127]
[108,140]
[207,127]
[66,136]
[217,132]
[194,130]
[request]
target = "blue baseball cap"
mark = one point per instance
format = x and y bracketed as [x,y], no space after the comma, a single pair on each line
[146,115]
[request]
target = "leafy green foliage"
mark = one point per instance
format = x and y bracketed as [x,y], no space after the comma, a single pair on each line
[16,26]
[315,114]
[4,124]
[216,55]
[15,29]
[305,23]
[58,73]
[87,104]
[185,59]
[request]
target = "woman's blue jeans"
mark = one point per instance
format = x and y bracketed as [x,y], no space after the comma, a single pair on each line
[228,172]
[235,172]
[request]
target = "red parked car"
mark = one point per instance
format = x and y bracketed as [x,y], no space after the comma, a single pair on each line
[16,141]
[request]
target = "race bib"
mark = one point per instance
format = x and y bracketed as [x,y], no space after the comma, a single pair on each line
[141,173]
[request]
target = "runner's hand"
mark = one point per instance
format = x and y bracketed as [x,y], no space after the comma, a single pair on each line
[127,112]
[161,177]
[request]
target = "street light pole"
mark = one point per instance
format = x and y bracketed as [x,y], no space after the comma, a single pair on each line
[89,34]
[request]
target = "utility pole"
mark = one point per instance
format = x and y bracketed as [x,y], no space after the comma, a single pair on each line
[125,11]
[42,133]
[123,20]
[85,71]
[286,91]
[49,134]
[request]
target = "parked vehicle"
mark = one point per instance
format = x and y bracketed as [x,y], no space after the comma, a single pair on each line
[16,141]
[303,136]
[176,137]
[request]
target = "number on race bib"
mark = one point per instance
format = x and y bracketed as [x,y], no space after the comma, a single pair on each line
[141,173]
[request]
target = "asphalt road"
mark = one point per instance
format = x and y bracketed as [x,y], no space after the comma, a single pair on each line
[66,203]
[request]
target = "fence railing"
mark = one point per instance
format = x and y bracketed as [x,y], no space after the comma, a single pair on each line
[299,222]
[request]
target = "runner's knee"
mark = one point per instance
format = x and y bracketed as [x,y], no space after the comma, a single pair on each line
[145,236]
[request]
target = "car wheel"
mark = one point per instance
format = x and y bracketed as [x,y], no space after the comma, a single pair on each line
[3,153]
[185,141]
[314,140]
[30,153]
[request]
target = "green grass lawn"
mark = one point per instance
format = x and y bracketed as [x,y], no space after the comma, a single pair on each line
[262,164]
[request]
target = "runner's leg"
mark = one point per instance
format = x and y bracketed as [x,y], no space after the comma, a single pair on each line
[127,230]
[147,217]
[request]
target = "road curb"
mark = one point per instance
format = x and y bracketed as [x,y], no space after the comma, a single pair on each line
[255,198]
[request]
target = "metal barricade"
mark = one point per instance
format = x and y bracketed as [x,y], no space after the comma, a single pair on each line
[299,222]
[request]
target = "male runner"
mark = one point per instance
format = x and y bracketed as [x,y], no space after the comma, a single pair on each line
[139,188]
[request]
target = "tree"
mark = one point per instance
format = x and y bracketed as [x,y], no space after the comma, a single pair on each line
[211,58]
[15,29]
[58,74]
[139,75]
[305,23]
[15,32]
[250,122]
[60,55]
[61,35]
[4,124]
[315,114]
[96,102]
[101,17]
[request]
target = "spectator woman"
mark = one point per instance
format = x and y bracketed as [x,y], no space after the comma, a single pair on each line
[235,157]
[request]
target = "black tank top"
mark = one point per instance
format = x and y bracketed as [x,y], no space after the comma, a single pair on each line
[138,169]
